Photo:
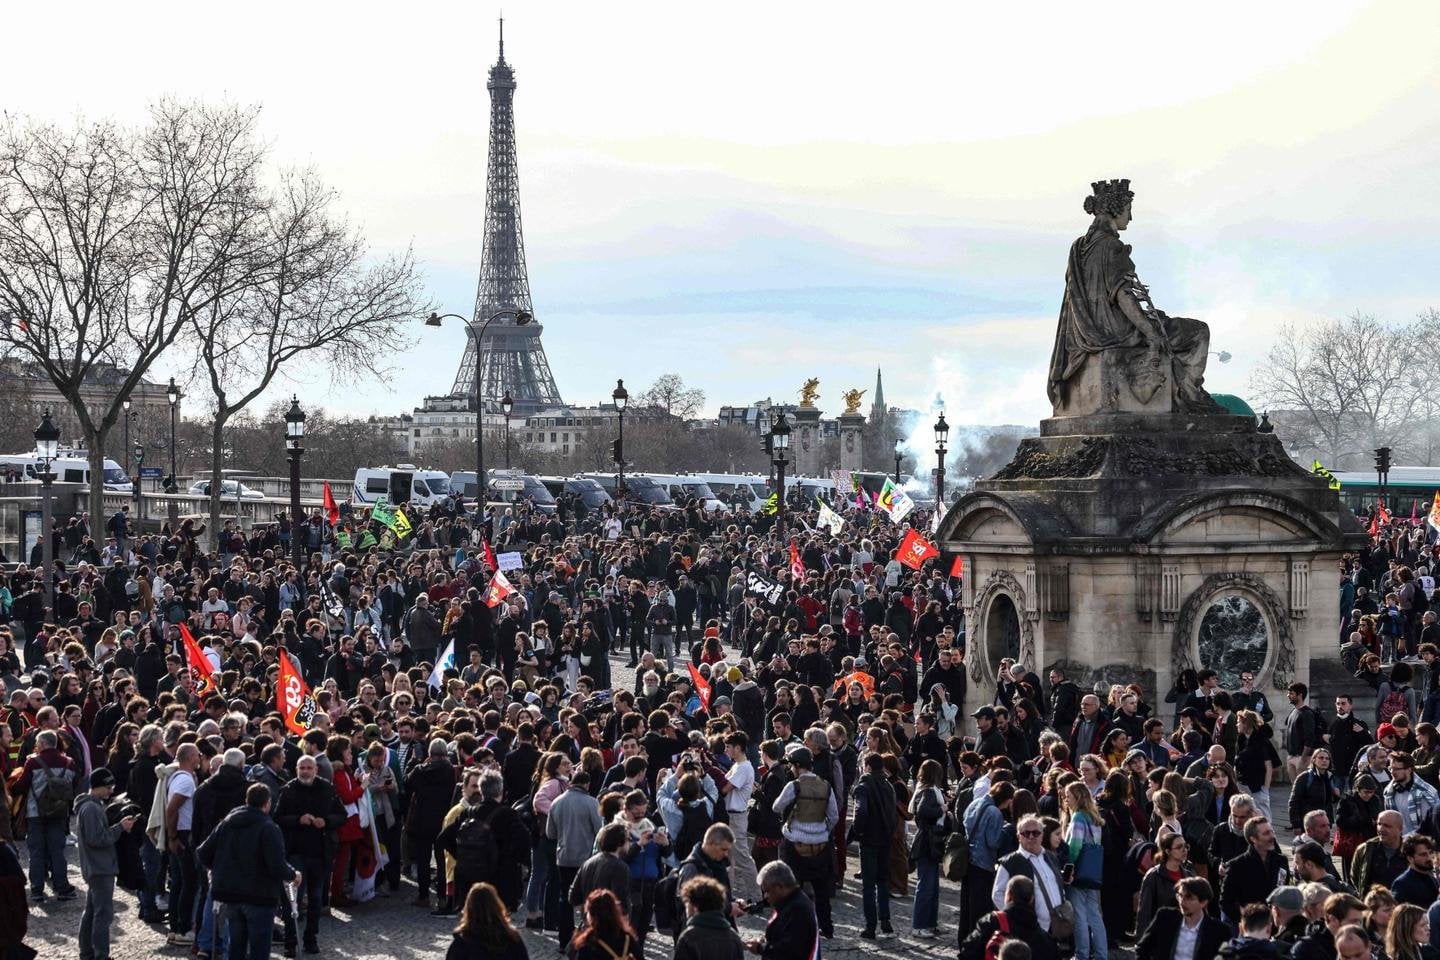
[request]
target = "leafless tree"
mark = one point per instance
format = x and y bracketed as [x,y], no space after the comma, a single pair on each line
[669,395]
[113,239]
[313,300]
[1343,386]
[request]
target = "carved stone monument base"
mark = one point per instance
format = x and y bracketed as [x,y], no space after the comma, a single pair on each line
[852,446]
[805,441]
[1132,545]
[1132,380]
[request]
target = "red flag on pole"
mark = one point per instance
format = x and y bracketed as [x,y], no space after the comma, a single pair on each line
[958,567]
[498,590]
[490,555]
[797,569]
[200,664]
[332,509]
[915,550]
[702,686]
[292,697]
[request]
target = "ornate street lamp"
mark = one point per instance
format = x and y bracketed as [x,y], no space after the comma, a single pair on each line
[47,448]
[172,393]
[779,443]
[942,435]
[294,434]
[898,456]
[621,396]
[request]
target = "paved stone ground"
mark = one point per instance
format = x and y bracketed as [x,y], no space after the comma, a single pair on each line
[389,927]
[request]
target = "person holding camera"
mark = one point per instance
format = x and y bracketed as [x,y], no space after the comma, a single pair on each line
[95,839]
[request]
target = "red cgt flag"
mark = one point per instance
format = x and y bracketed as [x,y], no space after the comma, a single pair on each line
[292,697]
[200,665]
[958,567]
[797,569]
[702,687]
[498,590]
[332,509]
[915,550]
[490,555]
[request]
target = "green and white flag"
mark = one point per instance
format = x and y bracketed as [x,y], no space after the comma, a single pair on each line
[829,519]
[383,512]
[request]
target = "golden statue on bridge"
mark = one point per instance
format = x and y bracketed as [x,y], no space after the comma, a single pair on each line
[852,400]
[809,392]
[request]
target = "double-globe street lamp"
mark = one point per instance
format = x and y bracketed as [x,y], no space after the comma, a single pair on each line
[942,435]
[522,317]
[620,396]
[294,434]
[779,443]
[47,448]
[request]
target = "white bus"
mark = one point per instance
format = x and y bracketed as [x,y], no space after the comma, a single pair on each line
[400,484]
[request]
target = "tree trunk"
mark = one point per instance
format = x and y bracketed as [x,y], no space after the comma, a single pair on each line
[217,458]
[95,453]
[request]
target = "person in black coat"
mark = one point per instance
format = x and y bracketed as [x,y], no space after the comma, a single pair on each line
[429,788]
[874,829]
[1192,895]
[512,842]
[791,931]
[1254,875]
[308,814]
[245,855]
[484,932]
[1019,918]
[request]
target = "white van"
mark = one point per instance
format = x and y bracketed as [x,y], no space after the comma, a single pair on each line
[530,488]
[683,487]
[72,466]
[746,490]
[400,484]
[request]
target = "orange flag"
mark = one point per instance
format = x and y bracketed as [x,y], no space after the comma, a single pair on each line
[200,665]
[915,550]
[292,697]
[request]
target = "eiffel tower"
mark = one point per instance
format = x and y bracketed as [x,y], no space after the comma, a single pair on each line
[514,358]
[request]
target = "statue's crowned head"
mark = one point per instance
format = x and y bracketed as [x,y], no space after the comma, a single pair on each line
[1110,198]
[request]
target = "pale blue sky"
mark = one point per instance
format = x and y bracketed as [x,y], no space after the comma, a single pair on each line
[751,194]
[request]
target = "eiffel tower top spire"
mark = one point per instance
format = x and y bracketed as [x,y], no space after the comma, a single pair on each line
[513,359]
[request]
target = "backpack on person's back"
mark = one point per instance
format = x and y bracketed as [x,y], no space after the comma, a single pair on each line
[476,846]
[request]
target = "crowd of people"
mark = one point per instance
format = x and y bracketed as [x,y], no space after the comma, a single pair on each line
[249,748]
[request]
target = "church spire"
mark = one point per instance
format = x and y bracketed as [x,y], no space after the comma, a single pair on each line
[877,405]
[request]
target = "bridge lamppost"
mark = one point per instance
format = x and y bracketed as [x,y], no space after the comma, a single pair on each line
[898,456]
[507,403]
[294,434]
[47,448]
[172,393]
[621,396]
[522,317]
[942,434]
[779,442]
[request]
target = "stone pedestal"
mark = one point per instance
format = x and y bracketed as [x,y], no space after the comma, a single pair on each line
[852,447]
[1128,546]
[805,441]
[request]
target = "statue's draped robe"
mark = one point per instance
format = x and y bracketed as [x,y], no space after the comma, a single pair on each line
[1091,319]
